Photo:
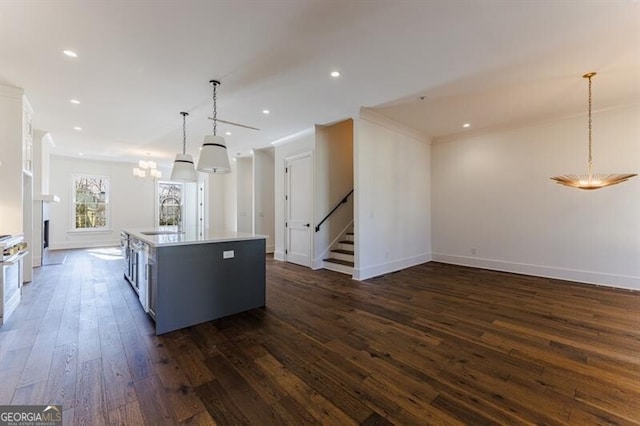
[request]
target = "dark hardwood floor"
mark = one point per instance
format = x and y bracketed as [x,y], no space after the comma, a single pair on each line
[434,344]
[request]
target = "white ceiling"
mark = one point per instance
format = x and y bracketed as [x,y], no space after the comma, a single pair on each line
[142,62]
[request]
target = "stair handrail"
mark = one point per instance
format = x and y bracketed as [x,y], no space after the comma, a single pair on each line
[342,201]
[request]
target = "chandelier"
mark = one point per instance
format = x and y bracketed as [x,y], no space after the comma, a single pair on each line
[147,169]
[590,180]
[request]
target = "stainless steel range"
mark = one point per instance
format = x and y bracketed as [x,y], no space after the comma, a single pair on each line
[14,249]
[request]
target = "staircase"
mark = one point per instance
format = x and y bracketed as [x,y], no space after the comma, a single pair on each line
[341,256]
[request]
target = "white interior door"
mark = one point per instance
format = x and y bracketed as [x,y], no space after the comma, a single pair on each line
[298,171]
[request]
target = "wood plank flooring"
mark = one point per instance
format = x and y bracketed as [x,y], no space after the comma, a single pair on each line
[434,344]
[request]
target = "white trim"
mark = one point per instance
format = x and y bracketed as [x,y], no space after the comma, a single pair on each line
[271,248]
[521,124]
[81,231]
[278,255]
[11,92]
[374,117]
[385,268]
[107,202]
[293,137]
[156,201]
[83,244]
[312,183]
[336,267]
[586,277]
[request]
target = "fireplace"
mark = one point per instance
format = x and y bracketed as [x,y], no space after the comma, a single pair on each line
[45,234]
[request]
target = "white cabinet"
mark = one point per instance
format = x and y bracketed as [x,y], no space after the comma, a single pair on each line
[27,136]
[12,149]
[16,182]
[11,276]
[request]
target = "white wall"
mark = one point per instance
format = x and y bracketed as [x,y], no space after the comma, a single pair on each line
[392,212]
[132,202]
[42,144]
[494,206]
[244,169]
[222,200]
[296,144]
[333,180]
[190,206]
[263,198]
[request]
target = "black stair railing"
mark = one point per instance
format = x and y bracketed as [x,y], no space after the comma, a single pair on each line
[343,201]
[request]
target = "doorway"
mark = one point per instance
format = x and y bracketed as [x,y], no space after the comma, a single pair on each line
[298,215]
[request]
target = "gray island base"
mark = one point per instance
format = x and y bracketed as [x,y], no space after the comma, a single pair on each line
[190,283]
[196,284]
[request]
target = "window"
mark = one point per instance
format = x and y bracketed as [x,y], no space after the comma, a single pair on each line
[169,203]
[90,202]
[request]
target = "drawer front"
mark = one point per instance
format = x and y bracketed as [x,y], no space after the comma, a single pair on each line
[11,280]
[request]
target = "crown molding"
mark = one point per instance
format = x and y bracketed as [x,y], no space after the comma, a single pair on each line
[374,117]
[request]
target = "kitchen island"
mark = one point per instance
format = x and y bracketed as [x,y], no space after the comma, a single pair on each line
[184,279]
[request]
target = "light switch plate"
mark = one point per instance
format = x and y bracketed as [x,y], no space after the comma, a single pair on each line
[228,254]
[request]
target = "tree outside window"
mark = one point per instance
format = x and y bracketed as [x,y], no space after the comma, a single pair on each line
[169,203]
[91,202]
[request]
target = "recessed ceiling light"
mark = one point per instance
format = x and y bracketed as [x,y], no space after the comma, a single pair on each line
[335,74]
[80,154]
[75,101]
[78,128]
[266,111]
[70,53]
[466,125]
[228,133]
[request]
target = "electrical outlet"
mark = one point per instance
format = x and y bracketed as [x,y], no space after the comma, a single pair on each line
[228,254]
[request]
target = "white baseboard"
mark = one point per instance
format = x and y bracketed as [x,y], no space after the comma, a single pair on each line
[336,267]
[278,255]
[37,261]
[587,277]
[270,249]
[65,245]
[385,268]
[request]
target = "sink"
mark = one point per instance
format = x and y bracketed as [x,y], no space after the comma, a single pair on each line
[160,233]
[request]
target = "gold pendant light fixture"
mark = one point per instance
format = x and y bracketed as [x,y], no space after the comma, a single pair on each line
[591,180]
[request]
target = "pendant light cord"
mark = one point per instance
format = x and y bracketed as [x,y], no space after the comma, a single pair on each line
[590,156]
[215,110]
[184,132]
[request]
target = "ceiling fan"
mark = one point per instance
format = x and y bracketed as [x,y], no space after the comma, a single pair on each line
[215,84]
[234,124]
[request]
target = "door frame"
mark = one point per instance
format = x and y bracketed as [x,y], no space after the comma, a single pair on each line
[285,201]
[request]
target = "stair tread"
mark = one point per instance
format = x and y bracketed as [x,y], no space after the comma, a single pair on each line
[342,251]
[346,242]
[339,261]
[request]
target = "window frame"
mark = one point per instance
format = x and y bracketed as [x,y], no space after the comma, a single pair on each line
[157,201]
[107,203]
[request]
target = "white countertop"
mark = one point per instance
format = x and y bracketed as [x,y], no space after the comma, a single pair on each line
[171,238]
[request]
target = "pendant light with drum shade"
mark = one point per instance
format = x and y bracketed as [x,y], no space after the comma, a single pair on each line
[214,158]
[591,180]
[183,168]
